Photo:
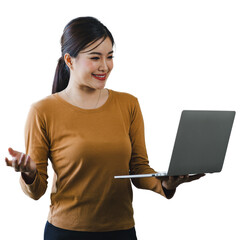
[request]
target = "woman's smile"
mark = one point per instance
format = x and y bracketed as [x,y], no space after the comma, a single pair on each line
[101,77]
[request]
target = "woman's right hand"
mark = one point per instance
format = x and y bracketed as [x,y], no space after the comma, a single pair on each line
[22,163]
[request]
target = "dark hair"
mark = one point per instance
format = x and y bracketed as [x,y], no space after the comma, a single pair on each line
[78,34]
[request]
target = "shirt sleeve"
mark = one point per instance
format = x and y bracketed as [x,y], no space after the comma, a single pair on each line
[139,163]
[37,147]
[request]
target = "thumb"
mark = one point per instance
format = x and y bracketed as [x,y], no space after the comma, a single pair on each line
[12,152]
[8,162]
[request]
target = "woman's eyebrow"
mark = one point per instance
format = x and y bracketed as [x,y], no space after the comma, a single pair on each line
[98,53]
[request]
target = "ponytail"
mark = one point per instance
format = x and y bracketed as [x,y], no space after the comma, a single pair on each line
[61,77]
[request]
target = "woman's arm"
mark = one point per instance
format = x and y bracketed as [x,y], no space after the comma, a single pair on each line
[32,183]
[139,163]
[33,169]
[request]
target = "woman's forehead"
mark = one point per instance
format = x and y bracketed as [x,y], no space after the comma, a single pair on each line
[101,45]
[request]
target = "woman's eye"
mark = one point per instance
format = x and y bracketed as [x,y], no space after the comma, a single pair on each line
[95,58]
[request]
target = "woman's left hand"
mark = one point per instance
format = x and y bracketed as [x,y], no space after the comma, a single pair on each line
[172,182]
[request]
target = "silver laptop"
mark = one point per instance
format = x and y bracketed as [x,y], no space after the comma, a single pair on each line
[200,145]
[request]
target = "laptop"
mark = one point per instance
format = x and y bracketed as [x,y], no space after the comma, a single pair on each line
[200,145]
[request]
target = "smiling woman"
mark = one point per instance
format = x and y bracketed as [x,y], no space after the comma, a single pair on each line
[109,64]
[90,134]
[78,35]
[91,64]
[85,64]
[88,74]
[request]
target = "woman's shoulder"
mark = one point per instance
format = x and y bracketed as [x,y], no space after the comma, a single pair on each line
[45,104]
[124,96]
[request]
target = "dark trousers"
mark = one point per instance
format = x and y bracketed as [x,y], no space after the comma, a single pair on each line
[54,233]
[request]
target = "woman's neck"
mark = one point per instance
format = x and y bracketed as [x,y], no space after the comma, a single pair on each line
[84,97]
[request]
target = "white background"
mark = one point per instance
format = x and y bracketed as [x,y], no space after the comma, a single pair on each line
[172,55]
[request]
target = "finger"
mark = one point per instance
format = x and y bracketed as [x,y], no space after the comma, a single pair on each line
[181,179]
[186,177]
[13,153]
[201,175]
[171,178]
[21,159]
[198,175]
[163,178]
[195,177]
[8,162]
[26,163]
[15,164]
[22,163]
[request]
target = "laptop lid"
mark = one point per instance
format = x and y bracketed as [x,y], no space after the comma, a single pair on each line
[201,142]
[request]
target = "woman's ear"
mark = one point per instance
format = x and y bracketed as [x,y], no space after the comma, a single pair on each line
[68,60]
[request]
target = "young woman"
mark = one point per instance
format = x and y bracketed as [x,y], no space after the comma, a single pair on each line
[90,134]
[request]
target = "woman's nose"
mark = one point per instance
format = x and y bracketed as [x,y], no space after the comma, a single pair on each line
[103,67]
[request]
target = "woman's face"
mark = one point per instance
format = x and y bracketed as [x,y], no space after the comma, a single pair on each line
[92,67]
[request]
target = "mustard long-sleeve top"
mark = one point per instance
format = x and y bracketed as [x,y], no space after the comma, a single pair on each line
[87,148]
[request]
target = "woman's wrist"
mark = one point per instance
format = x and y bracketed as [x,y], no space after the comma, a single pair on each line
[169,193]
[29,177]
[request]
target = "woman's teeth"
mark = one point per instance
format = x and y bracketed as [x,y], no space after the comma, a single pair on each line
[99,76]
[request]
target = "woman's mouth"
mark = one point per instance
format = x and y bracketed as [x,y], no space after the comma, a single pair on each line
[101,77]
